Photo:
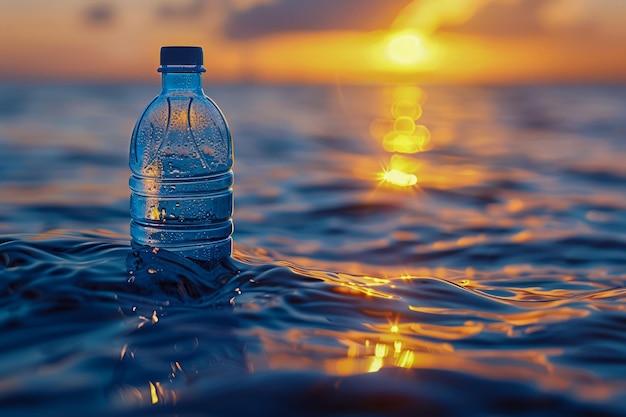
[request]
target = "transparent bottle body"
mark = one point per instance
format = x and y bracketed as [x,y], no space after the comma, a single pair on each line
[181,161]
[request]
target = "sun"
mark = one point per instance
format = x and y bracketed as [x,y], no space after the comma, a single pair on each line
[406,49]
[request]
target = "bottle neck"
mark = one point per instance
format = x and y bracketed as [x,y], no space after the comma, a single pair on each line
[179,81]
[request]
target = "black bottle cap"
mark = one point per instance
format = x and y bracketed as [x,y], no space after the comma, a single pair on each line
[181,55]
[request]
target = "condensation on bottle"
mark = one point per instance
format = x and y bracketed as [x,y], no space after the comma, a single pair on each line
[181,158]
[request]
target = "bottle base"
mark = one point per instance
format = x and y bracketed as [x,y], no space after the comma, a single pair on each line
[206,253]
[207,244]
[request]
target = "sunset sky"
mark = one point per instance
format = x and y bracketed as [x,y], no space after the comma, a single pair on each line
[448,41]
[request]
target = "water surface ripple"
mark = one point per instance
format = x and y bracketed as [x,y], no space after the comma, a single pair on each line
[494,287]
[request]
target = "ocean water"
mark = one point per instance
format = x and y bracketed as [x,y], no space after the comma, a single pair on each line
[494,285]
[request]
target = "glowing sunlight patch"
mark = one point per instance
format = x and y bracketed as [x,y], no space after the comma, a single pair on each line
[400,172]
[399,178]
[406,49]
[406,359]
[153,393]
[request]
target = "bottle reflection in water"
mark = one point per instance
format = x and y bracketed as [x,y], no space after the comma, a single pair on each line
[181,159]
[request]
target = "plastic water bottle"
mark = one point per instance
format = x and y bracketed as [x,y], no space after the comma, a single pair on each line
[181,158]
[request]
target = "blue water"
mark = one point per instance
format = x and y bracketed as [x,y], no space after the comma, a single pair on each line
[495,286]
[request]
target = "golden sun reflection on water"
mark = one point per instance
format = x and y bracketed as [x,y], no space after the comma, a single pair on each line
[410,346]
[154,398]
[402,135]
[399,178]
[402,340]
[367,352]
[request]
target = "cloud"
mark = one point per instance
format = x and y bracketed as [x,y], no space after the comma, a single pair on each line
[189,9]
[520,18]
[603,16]
[309,15]
[99,14]
[426,16]
[504,19]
